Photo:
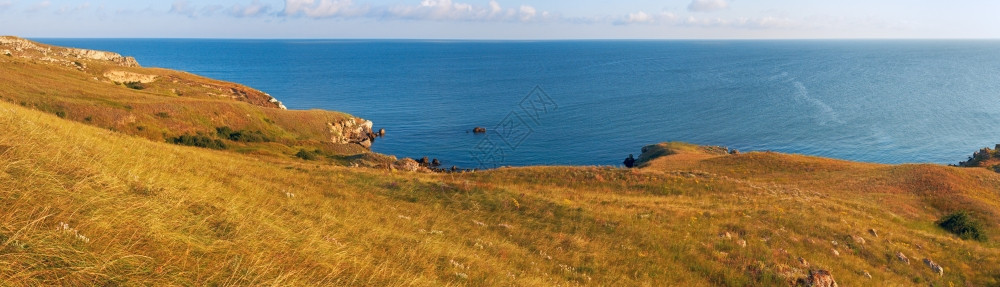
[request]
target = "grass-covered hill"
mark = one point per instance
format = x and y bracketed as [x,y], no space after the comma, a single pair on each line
[84,204]
[113,92]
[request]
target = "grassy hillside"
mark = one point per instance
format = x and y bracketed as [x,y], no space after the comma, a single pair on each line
[84,205]
[156,104]
[87,205]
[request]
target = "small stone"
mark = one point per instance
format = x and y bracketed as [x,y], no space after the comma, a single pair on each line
[867,275]
[726,235]
[902,257]
[819,278]
[803,262]
[873,232]
[858,239]
[934,267]
[835,252]
[742,243]
[834,242]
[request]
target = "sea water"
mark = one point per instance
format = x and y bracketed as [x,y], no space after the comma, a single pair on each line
[595,102]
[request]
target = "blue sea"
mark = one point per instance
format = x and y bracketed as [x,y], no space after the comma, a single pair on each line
[595,102]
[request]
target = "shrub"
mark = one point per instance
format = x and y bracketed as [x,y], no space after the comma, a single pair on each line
[163,115]
[307,155]
[61,114]
[241,135]
[198,141]
[134,85]
[962,224]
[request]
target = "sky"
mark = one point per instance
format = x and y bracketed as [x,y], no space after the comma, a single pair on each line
[501,19]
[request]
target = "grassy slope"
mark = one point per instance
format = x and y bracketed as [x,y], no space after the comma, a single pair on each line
[165,214]
[175,103]
[93,202]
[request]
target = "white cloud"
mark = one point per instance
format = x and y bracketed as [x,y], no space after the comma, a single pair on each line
[4,5]
[429,10]
[323,8]
[445,10]
[527,13]
[182,7]
[495,7]
[642,17]
[251,10]
[708,5]
[768,22]
[186,8]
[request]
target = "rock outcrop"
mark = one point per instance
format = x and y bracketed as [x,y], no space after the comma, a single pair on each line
[125,77]
[15,46]
[406,164]
[101,56]
[352,131]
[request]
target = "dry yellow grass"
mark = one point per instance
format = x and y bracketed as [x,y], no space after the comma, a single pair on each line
[154,213]
[85,205]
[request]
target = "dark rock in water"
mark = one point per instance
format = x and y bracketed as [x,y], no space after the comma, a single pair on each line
[479,130]
[435,162]
[424,161]
[734,151]
[454,168]
[629,161]
[381,132]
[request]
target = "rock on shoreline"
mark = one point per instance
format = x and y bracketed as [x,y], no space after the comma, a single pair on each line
[352,131]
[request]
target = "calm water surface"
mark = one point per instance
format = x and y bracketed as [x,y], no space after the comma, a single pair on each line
[598,101]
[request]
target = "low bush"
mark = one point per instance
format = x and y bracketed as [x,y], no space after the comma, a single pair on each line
[308,155]
[962,224]
[134,85]
[198,141]
[241,135]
